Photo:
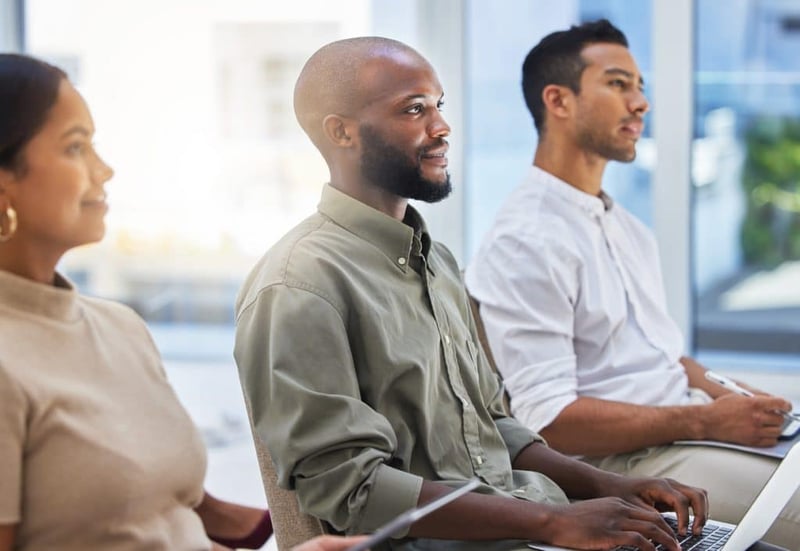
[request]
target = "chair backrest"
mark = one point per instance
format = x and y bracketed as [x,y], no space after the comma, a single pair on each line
[290,525]
[475,306]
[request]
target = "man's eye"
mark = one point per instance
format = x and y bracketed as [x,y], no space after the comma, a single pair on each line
[440,105]
[414,109]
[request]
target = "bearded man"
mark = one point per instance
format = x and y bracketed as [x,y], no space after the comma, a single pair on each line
[359,357]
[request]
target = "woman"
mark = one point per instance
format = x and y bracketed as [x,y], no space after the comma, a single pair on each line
[95,450]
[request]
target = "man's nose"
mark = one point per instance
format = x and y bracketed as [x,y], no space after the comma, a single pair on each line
[439,127]
[638,103]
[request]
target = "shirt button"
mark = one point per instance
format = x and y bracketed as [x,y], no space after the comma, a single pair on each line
[479,460]
[401,261]
[447,339]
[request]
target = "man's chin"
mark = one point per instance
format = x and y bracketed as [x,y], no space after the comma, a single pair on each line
[623,156]
[435,191]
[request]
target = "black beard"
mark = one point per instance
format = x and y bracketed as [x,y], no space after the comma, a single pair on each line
[390,169]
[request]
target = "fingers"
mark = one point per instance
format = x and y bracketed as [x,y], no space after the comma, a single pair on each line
[769,418]
[642,528]
[680,498]
[698,501]
[675,496]
[774,405]
[646,535]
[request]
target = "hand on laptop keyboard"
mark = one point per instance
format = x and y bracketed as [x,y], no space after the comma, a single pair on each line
[712,538]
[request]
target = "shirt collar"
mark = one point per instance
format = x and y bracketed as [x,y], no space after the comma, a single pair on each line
[392,237]
[594,205]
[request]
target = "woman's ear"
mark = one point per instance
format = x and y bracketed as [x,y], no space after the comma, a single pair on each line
[338,130]
[7,176]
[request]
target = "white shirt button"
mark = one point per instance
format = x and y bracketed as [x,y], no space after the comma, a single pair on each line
[401,261]
[479,460]
[447,339]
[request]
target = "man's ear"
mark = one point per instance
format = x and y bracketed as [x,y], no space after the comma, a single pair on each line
[558,100]
[339,130]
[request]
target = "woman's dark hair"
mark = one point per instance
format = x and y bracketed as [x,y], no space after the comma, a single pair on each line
[556,59]
[28,90]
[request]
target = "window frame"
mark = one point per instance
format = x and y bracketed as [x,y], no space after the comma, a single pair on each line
[441,31]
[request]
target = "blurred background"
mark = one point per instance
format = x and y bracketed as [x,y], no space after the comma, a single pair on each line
[192,101]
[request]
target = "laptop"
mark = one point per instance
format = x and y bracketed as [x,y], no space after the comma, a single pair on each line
[721,536]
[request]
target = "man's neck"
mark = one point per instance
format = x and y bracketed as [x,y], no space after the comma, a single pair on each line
[575,167]
[375,197]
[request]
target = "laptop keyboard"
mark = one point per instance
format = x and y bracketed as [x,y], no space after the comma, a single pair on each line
[712,538]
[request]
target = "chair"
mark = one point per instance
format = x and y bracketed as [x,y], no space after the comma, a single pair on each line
[290,525]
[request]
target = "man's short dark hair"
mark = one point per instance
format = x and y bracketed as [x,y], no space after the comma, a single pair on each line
[556,59]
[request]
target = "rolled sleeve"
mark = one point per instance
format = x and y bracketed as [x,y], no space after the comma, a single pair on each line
[542,391]
[299,378]
[515,435]
[528,315]
[393,493]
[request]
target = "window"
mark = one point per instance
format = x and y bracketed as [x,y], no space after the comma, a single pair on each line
[746,205]
[192,100]
[500,135]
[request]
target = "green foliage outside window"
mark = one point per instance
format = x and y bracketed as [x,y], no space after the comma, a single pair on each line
[771,229]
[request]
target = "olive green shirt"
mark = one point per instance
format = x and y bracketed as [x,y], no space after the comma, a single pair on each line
[359,358]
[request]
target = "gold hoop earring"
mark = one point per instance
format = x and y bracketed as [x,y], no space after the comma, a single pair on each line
[11,215]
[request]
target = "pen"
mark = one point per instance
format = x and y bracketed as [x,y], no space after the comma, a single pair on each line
[733,386]
[728,383]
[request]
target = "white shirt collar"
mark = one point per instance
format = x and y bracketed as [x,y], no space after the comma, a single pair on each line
[594,205]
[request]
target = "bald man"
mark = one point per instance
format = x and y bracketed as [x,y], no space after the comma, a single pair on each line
[359,358]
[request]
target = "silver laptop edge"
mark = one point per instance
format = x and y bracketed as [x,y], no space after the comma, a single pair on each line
[769,503]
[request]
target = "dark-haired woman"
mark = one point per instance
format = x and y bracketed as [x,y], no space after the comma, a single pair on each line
[96,453]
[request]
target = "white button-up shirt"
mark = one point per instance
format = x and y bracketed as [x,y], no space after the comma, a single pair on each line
[573,303]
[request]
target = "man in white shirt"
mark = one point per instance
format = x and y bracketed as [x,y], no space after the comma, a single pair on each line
[572,298]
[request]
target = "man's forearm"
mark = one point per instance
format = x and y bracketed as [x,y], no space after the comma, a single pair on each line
[481,517]
[593,427]
[696,374]
[578,479]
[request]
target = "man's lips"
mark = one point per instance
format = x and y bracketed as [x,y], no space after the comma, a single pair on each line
[633,129]
[437,156]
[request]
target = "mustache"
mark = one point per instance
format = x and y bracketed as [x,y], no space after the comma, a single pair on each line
[440,142]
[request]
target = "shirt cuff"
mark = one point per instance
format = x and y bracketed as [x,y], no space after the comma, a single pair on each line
[393,492]
[516,436]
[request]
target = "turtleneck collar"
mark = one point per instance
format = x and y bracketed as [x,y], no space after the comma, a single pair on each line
[58,301]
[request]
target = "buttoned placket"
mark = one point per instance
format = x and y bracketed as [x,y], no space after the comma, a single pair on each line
[610,230]
[470,420]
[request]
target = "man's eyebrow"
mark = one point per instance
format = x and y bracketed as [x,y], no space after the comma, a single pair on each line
[623,72]
[77,129]
[412,97]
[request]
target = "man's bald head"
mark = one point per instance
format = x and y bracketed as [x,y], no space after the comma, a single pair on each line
[329,82]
